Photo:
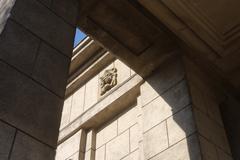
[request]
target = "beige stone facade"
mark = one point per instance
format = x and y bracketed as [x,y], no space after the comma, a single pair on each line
[154,80]
[162,117]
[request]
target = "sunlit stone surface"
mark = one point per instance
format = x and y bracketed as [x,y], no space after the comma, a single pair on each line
[5,11]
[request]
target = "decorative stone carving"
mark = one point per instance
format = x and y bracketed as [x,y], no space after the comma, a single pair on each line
[108,80]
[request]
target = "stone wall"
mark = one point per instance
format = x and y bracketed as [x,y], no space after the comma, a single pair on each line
[71,148]
[173,118]
[168,126]
[118,139]
[36,47]
[206,101]
[180,124]
[89,94]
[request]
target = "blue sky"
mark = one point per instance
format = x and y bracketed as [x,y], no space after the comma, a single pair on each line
[79,36]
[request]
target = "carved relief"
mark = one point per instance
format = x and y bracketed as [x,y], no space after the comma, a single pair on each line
[108,80]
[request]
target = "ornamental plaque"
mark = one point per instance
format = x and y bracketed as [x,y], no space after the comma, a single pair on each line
[108,80]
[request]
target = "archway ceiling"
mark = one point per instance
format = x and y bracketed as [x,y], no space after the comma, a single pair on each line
[144,33]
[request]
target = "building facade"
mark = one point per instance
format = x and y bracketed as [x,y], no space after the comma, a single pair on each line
[161,80]
[112,113]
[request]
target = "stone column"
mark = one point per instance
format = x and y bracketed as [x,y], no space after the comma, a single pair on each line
[35,50]
[173,127]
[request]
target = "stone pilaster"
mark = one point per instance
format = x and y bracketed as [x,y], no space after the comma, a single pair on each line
[36,46]
[172,125]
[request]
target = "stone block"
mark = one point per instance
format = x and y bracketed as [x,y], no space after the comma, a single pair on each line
[123,71]
[27,148]
[18,47]
[187,149]
[106,133]
[155,140]
[67,9]
[211,130]
[213,110]
[134,137]
[51,69]
[163,107]
[66,112]
[75,156]
[128,119]
[208,149]
[46,2]
[100,153]
[45,24]
[29,106]
[177,97]
[180,125]
[198,98]
[77,103]
[155,112]
[118,147]
[91,94]
[141,151]
[6,140]
[223,155]
[132,156]
[161,80]
[69,147]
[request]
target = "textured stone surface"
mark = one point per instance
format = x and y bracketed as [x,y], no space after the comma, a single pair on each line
[155,112]
[211,130]
[45,24]
[164,106]
[18,47]
[26,148]
[46,2]
[180,125]
[209,151]
[132,156]
[177,97]
[187,149]
[110,104]
[75,156]
[161,80]
[106,134]
[29,106]
[67,9]
[6,140]
[69,147]
[223,156]
[51,69]
[123,71]
[118,147]
[91,95]
[5,8]
[100,153]
[155,140]
[77,103]
[127,119]
[66,112]
[63,8]
[134,137]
